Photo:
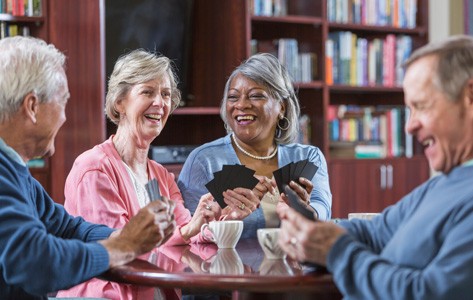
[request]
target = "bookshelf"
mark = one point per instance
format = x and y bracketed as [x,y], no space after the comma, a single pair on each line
[222,37]
[28,22]
[235,30]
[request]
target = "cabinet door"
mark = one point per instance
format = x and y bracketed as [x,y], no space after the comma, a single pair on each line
[406,175]
[351,184]
[372,185]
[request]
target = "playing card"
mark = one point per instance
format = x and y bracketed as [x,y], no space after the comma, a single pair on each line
[243,177]
[230,177]
[286,174]
[293,171]
[299,167]
[278,177]
[297,204]
[229,172]
[309,170]
[212,188]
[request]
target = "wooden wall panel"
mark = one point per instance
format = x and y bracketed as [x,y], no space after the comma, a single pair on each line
[76,28]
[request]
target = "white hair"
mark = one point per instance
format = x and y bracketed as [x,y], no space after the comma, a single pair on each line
[28,65]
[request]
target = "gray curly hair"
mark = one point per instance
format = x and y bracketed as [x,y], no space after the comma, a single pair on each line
[265,69]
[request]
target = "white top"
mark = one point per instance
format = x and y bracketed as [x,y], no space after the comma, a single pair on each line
[140,189]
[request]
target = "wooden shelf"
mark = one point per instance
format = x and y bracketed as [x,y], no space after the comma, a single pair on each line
[420,31]
[197,111]
[21,19]
[363,89]
[290,19]
[309,85]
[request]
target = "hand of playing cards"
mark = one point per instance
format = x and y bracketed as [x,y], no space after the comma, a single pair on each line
[152,188]
[293,171]
[230,177]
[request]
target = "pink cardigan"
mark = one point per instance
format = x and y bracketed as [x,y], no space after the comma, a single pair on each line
[99,189]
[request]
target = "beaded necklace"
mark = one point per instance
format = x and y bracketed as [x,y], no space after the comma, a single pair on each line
[251,155]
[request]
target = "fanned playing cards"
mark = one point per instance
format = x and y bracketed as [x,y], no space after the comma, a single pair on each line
[293,171]
[230,177]
[152,188]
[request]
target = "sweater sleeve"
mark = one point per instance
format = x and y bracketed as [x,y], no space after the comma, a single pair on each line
[321,196]
[192,179]
[361,272]
[42,247]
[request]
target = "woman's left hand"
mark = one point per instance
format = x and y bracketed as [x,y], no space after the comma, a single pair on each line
[207,210]
[303,190]
[241,203]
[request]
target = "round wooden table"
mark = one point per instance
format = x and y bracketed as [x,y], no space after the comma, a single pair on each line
[244,271]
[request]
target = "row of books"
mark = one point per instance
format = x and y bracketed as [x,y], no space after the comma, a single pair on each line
[8,29]
[268,7]
[28,8]
[353,60]
[369,131]
[301,66]
[396,13]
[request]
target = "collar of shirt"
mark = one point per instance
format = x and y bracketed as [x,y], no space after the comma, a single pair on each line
[11,153]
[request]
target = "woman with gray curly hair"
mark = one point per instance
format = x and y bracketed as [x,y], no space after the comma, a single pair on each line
[107,183]
[261,112]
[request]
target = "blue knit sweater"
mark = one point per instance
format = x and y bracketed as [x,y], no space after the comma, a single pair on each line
[210,157]
[420,248]
[42,248]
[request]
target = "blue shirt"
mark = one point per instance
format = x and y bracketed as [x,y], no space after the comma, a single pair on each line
[209,158]
[419,248]
[42,248]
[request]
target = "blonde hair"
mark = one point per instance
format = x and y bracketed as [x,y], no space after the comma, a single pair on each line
[138,66]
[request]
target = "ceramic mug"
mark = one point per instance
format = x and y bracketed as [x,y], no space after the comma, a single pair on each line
[224,233]
[226,261]
[268,240]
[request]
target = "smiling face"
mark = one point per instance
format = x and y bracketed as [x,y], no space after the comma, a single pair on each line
[145,109]
[443,126]
[252,113]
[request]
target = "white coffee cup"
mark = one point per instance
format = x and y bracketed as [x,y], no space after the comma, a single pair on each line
[363,216]
[268,240]
[226,261]
[224,233]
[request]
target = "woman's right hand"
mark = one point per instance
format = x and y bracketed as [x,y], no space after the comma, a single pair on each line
[207,210]
[241,203]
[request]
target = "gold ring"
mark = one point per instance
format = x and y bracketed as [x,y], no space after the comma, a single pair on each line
[293,241]
[242,206]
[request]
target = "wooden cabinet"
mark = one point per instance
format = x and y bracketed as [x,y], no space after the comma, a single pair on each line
[371,185]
